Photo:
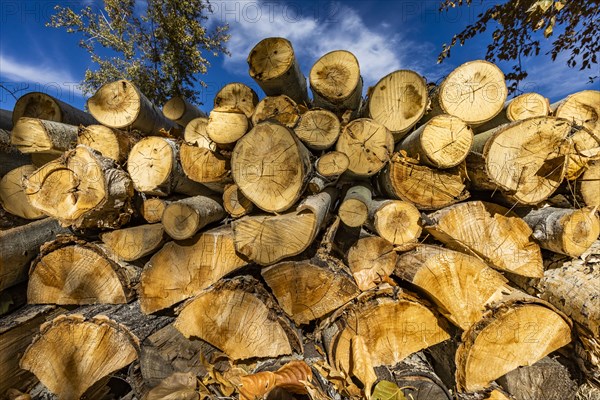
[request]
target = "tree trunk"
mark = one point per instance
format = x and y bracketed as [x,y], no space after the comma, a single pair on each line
[397,221]
[521,107]
[12,194]
[328,169]
[398,101]
[335,82]
[371,260]
[318,129]
[121,105]
[580,108]
[181,270]
[43,106]
[427,188]
[32,135]
[111,143]
[368,145]
[183,218]
[239,317]
[442,142]
[273,65]
[236,97]
[205,166]
[354,208]
[181,111]
[20,245]
[10,156]
[271,167]
[71,271]
[130,244]
[484,230]
[82,189]
[235,203]
[279,108]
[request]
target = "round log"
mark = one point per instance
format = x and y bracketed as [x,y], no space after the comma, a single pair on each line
[181,111]
[43,106]
[111,143]
[13,197]
[318,129]
[279,108]
[33,135]
[183,218]
[236,97]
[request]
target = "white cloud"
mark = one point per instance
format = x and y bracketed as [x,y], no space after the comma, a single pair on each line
[42,74]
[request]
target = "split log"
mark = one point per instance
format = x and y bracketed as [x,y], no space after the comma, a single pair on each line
[283,235]
[32,135]
[278,108]
[181,270]
[525,159]
[121,105]
[271,167]
[239,317]
[442,142]
[354,208]
[6,123]
[226,127]
[82,189]
[335,82]
[398,101]
[318,129]
[10,156]
[20,245]
[427,188]
[235,203]
[181,111]
[586,189]
[484,229]
[474,92]
[236,97]
[43,106]
[461,285]
[12,194]
[524,106]
[581,108]
[71,271]
[155,168]
[273,65]
[111,143]
[397,221]
[183,218]
[368,145]
[205,166]
[195,133]
[328,168]
[130,244]
[371,260]
[565,231]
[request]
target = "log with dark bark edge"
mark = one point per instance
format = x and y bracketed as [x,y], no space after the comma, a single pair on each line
[397,221]
[195,133]
[371,260]
[278,108]
[328,169]
[427,188]
[227,127]
[273,65]
[110,142]
[10,156]
[398,101]
[133,243]
[32,135]
[354,208]
[285,235]
[336,83]
[368,145]
[271,167]
[82,189]
[525,159]
[183,218]
[12,194]
[318,129]
[474,92]
[69,270]
[155,169]
[562,230]
[235,203]
[181,111]
[236,97]
[581,108]
[521,107]
[43,106]
[485,230]
[20,245]
[120,105]
[239,317]
[442,142]
[461,285]
[181,270]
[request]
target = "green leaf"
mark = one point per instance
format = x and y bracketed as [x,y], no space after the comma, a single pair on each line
[386,390]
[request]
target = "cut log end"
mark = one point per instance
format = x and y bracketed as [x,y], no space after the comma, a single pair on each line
[332,164]
[270,59]
[182,219]
[133,243]
[33,135]
[225,128]
[13,197]
[111,143]
[526,106]
[279,108]
[236,97]
[235,203]
[371,259]
[398,222]
[116,104]
[195,133]
[318,129]
[581,108]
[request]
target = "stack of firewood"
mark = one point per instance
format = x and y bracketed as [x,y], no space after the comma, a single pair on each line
[427,242]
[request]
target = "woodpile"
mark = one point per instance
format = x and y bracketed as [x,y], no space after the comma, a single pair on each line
[424,242]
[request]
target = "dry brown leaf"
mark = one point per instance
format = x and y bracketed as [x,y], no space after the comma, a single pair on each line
[179,386]
[288,377]
[362,366]
[256,385]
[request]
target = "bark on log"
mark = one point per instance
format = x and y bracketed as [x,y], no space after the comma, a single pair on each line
[82,189]
[227,127]
[398,101]
[581,108]
[318,129]
[354,208]
[181,111]
[281,109]
[236,97]
[183,218]
[121,105]
[130,244]
[111,143]
[371,260]
[12,194]
[32,135]
[10,156]
[397,221]
[524,106]
[273,65]
[43,106]
[335,82]
[235,203]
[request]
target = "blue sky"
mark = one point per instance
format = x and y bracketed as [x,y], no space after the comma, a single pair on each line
[384,35]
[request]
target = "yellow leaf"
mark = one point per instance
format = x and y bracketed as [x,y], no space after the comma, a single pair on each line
[386,390]
[362,366]
[559,5]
